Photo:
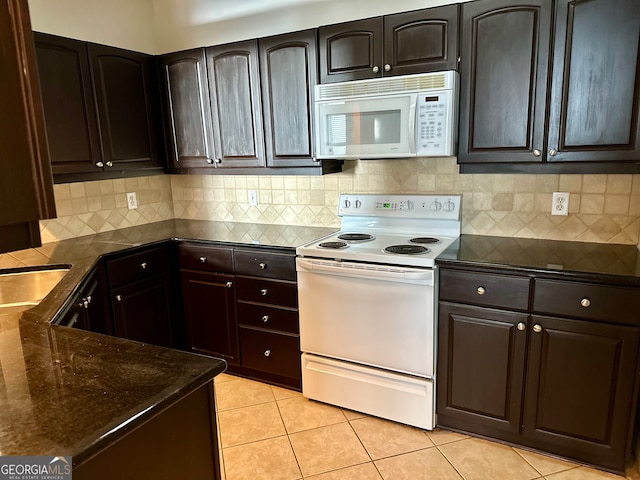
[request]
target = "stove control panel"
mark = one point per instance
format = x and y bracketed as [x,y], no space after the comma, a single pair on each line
[445,207]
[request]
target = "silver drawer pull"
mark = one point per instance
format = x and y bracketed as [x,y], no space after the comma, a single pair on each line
[229,284]
[263,292]
[203,259]
[521,326]
[143,265]
[263,266]
[109,163]
[537,328]
[481,291]
[99,164]
[119,298]
[585,302]
[267,353]
[265,318]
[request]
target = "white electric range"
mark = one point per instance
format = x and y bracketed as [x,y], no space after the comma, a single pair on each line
[367,304]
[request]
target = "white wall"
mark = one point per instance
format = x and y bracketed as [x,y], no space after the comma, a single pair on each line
[120,23]
[184,24]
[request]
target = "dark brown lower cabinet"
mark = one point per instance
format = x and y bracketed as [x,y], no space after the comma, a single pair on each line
[566,386]
[209,313]
[179,442]
[143,311]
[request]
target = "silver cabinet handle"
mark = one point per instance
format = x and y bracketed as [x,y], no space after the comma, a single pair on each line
[387,68]
[229,284]
[210,161]
[537,328]
[109,163]
[265,318]
[143,265]
[203,259]
[553,152]
[314,159]
[119,298]
[263,292]
[585,302]
[376,69]
[537,153]
[521,326]
[218,160]
[481,291]
[267,353]
[99,164]
[263,266]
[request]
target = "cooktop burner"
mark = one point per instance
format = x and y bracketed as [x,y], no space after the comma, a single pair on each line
[334,245]
[356,237]
[406,249]
[425,240]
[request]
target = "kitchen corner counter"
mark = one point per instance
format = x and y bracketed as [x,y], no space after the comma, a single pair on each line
[602,262]
[71,392]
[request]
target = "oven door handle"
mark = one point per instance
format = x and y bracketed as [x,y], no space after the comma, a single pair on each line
[364,270]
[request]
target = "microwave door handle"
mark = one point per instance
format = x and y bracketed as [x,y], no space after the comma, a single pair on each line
[412,126]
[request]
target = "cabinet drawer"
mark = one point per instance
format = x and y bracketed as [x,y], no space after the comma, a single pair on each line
[138,266]
[485,289]
[266,264]
[276,353]
[589,301]
[205,257]
[267,291]
[264,316]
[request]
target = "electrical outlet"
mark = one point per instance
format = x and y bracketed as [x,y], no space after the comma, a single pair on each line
[560,203]
[132,200]
[253,197]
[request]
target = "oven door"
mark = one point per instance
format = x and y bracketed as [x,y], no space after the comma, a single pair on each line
[375,315]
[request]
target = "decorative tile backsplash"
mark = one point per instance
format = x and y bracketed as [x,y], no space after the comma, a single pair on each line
[602,208]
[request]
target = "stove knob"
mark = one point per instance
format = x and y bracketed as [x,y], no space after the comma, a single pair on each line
[358,203]
[409,205]
[347,203]
[436,206]
[449,206]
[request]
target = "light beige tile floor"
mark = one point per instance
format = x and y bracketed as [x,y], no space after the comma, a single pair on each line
[271,433]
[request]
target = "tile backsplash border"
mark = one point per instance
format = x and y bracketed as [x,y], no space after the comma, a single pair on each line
[602,208]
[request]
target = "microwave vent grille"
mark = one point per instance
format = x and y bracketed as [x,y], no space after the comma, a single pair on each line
[382,86]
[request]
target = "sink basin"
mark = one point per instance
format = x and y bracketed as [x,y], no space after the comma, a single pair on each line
[21,290]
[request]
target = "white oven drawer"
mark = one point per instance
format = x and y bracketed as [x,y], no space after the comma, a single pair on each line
[401,398]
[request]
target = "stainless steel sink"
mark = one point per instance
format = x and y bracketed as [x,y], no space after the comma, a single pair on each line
[21,290]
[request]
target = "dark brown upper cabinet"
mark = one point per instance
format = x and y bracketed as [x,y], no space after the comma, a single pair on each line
[532,104]
[289,72]
[413,42]
[26,187]
[187,109]
[99,104]
[234,88]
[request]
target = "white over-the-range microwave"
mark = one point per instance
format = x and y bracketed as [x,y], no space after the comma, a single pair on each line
[395,117]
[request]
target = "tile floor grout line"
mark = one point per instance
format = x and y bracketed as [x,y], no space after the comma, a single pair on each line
[450,463]
[284,424]
[528,462]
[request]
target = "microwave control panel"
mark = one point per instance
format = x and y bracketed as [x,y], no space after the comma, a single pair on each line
[435,112]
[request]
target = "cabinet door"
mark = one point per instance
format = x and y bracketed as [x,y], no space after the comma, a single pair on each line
[143,311]
[351,50]
[69,108]
[288,70]
[481,355]
[595,90]
[503,74]
[26,188]
[125,88]
[580,381]
[187,109]
[421,41]
[234,85]
[209,311]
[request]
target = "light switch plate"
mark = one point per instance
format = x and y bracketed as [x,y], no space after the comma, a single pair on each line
[132,200]
[253,197]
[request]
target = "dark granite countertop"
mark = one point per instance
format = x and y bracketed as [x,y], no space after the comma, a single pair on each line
[597,261]
[70,392]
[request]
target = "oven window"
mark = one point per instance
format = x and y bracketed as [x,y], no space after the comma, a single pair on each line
[364,128]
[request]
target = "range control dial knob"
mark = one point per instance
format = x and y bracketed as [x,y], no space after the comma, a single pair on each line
[347,203]
[449,206]
[436,206]
[358,203]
